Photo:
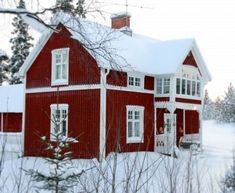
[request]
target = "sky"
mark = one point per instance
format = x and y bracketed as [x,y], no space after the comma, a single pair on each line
[210,22]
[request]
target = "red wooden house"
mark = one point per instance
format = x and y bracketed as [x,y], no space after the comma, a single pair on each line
[151,101]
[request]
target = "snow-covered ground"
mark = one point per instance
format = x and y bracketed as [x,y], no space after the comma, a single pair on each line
[159,174]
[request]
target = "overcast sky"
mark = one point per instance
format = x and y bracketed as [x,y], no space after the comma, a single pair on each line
[210,22]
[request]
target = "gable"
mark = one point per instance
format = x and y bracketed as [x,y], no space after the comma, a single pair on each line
[83,68]
[190,60]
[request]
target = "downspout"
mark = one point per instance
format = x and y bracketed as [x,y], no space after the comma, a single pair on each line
[103,101]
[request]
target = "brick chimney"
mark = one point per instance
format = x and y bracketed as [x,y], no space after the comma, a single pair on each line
[121,21]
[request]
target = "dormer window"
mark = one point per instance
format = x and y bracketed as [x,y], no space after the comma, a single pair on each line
[60,66]
[163,85]
[135,81]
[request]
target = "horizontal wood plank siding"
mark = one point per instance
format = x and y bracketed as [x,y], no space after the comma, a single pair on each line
[83,121]
[160,99]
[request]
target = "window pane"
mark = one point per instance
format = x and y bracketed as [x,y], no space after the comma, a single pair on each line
[137,115]
[131,81]
[183,86]
[166,85]
[198,89]
[64,57]
[193,88]
[178,86]
[129,129]
[64,71]
[137,81]
[159,86]
[57,58]
[58,72]
[137,129]
[188,87]
[130,114]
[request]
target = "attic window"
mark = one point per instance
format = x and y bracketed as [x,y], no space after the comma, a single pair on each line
[60,64]
[163,85]
[135,81]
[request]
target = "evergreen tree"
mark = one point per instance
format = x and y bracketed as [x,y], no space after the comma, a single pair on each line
[80,9]
[20,45]
[64,5]
[229,180]
[218,106]
[229,104]
[208,108]
[3,66]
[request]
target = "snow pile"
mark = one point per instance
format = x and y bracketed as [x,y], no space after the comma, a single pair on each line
[11,98]
[2,53]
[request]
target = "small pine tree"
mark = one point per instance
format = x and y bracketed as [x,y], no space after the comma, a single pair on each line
[64,5]
[3,66]
[62,175]
[20,45]
[208,108]
[80,9]
[218,105]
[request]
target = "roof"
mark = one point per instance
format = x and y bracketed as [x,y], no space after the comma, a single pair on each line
[11,98]
[128,53]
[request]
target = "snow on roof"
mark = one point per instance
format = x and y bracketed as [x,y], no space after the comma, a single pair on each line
[11,98]
[129,53]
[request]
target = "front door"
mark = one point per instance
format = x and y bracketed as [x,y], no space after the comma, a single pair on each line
[165,140]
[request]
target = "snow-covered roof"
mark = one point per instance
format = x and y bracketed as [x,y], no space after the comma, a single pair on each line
[11,98]
[129,53]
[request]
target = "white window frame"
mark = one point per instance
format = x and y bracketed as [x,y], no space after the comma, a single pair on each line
[60,81]
[163,85]
[189,74]
[59,107]
[137,80]
[133,120]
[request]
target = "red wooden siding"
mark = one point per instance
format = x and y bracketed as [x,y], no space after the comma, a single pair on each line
[179,124]
[83,121]
[116,120]
[160,99]
[191,101]
[12,122]
[192,122]
[83,68]
[149,82]
[117,78]
[189,60]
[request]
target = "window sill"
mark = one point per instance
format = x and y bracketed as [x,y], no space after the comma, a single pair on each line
[59,82]
[135,140]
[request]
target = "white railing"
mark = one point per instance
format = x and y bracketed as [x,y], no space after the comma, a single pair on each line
[164,144]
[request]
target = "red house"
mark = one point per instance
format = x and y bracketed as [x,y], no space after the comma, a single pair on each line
[146,97]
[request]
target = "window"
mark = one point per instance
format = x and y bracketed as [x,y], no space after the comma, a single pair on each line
[135,119]
[190,83]
[59,121]
[166,86]
[159,85]
[163,85]
[60,58]
[134,81]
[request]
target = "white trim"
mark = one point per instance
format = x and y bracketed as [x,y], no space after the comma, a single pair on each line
[139,139]
[85,87]
[178,105]
[63,88]
[129,89]
[54,81]
[103,101]
[23,118]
